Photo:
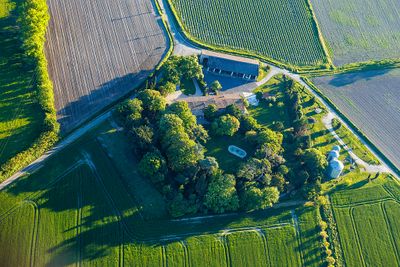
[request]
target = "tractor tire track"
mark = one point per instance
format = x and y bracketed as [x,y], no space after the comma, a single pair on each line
[358,242]
[390,230]
[35,229]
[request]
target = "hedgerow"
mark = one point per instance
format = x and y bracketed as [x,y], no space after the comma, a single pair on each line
[33,18]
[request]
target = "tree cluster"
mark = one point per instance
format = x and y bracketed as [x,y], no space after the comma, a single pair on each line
[169,143]
[309,164]
[176,69]
[261,178]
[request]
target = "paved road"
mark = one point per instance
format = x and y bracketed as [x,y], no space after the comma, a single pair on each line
[184,47]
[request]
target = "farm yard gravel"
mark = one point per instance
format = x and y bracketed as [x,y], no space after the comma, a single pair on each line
[360,30]
[98,51]
[370,100]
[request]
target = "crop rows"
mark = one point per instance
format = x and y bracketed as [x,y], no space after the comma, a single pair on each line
[98,52]
[86,217]
[370,100]
[278,29]
[360,30]
[368,224]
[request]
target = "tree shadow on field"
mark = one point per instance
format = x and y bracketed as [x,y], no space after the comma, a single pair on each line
[111,219]
[77,112]
[341,80]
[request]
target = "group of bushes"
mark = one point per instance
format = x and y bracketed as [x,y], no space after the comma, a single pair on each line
[32,20]
[308,163]
[175,70]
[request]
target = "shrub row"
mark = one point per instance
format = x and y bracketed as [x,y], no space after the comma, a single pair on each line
[328,216]
[329,258]
[33,19]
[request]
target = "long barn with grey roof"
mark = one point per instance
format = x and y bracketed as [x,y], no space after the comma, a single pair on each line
[229,65]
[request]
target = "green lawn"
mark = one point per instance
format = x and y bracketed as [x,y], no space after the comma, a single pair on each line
[217,147]
[188,87]
[81,209]
[20,116]
[266,114]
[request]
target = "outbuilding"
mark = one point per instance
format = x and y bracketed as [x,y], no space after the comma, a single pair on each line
[229,65]
[336,168]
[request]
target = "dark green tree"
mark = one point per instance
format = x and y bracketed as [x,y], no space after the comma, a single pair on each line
[225,125]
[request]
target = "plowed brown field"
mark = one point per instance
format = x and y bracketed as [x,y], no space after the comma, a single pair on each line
[98,51]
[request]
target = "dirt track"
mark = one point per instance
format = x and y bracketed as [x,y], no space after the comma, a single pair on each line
[98,51]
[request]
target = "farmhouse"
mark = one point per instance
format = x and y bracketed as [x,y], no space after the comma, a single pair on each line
[228,65]
[198,104]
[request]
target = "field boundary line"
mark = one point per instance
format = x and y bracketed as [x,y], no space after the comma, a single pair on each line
[35,229]
[389,227]
[340,249]
[358,242]
[298,235]
[361,203]
[387,189]
[224,241]
[33,195]
[185,252]
[164,256]
[264,238]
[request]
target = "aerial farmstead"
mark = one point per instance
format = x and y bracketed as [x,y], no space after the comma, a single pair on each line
[199,133]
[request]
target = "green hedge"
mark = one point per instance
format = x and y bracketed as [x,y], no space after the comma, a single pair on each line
[33,18]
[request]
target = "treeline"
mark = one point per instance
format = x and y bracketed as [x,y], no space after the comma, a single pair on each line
[33,18]
[308,163]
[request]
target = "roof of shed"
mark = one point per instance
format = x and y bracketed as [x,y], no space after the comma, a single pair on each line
[232,63]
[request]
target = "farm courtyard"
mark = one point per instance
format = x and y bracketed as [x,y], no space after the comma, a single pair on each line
[98,52]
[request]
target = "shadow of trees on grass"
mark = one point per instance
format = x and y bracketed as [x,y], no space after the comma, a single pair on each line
[111,220]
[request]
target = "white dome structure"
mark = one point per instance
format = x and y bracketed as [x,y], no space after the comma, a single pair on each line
[335,168]
[334,154]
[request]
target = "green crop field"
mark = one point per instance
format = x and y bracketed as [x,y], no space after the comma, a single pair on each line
[282,30]
[20,116]
[367,218]
[81,209]
[359,30]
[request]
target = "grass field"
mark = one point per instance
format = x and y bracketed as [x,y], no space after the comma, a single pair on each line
[366,214]
[80,209]
[20,116]
[370,100]
[359,30]
[282,30]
